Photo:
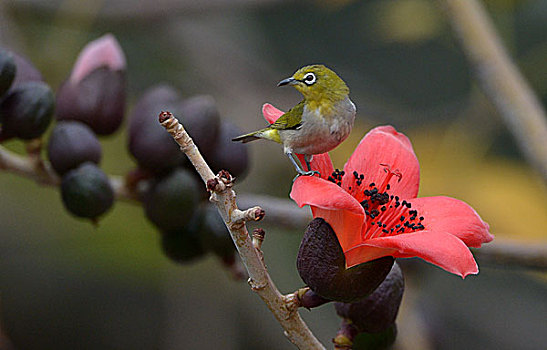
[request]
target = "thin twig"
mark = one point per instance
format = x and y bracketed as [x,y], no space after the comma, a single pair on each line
[501,79]
[41,172]
[510,253]
[284,308]
[282,213]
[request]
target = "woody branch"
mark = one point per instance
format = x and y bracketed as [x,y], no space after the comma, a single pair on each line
[284,308]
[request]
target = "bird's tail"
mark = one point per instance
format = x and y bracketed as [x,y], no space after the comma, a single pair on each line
[247,137]
[266,133]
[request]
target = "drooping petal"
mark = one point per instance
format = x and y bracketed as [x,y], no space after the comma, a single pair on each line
[104,51]
[384,148]
[332,203]
[439,248]
[271,114]
[455,217]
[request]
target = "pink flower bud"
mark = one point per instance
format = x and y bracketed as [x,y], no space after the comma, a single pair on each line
[95,91]
[105,51]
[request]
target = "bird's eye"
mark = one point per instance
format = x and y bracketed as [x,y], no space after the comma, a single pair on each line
[309,79]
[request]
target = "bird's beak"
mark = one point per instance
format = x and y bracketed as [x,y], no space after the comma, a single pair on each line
[287,81]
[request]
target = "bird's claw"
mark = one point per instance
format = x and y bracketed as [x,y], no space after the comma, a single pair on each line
[306,173]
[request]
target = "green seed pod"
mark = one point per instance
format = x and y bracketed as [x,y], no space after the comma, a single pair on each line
[376,341]
[171,201]
[86,191]
[184,245]
[72,143]
[378,311]
[27,110]
[214,234]
[7,71]
[322,266]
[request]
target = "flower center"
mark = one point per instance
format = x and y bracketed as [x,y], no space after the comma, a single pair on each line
[386,214]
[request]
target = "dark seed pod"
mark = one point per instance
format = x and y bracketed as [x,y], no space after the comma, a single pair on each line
[322,266]
[376,341]
[72,143]
[7,71]
[86,191]
[26,110]
[378,311]
[214,234]
[97,100]
[25,72]
[147,138]
[182,245]
[200,117]
[229,155]
[171,201]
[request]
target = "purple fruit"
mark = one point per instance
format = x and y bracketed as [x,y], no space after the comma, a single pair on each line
[86,191]
[322,266]
[152,147]
[201,119]
[229,155]
[171,200]
[26,111]
[98,100]
[7,71]
[72,143]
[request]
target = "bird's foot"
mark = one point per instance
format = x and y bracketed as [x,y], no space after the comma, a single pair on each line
[306,173]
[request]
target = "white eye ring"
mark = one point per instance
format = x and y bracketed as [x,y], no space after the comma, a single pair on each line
[309,79]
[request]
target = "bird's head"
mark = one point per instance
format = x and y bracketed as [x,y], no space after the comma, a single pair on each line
[316,83]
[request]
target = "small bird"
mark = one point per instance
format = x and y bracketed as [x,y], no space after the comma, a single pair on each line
[319,123]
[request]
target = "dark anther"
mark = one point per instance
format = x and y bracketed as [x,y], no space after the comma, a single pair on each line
[372,184]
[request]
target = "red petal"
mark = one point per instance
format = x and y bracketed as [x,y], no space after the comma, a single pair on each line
[320,162]
[450,215]
[271,114]
[104,51]
[332,203]
[439,248]
[384,145]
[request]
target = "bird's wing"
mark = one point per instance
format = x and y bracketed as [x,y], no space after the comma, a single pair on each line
[292,119]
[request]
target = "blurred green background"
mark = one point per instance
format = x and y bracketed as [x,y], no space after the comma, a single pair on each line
[68,285]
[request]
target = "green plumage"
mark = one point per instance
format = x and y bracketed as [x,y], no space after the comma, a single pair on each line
[318,123]
[290,120]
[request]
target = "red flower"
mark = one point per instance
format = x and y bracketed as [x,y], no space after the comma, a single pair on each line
[373,209]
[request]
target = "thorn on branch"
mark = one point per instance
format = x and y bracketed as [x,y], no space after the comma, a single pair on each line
[225,177]
[251,214]
[212,184]
[255,286]
[258,238]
